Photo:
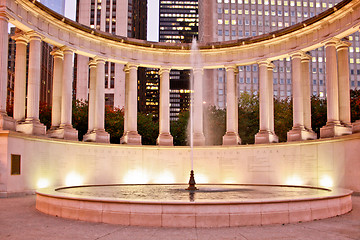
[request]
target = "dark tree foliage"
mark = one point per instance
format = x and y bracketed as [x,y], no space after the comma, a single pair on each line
[283,118]
[355,105]
[114,123]
[214,125]
[248,117]
[178,129]
[318,114]
[45,114]
[147,128]
[80,117]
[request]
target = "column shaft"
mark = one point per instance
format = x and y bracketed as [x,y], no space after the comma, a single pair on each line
[197,108]
[132,99]
[270,80]
[332,86]
[57,88]
[344,87]
[66,103]
[305,75]
[164,111]
[264,97]
[34,78]
[231,117]
[4,43]
[99,95]
[91,114]
[298,100]
[20,78]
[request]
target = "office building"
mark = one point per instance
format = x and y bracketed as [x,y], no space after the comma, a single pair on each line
[224,20]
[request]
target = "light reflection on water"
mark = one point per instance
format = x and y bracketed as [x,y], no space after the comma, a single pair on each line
[205,192]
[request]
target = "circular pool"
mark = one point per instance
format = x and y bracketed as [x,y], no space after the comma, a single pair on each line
[216,205]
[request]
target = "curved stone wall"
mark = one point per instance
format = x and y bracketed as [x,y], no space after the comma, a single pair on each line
[337,22]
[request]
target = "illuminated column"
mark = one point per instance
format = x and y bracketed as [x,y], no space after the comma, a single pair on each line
[131,135]
[165,138]
[265,135]
[344,84]
[305,76]
[98,133]
[6,122]
[270,85]
[231,136]
[91,114]
[301,91]
[32,124]
[57,88]
[333,126]
[20,77]
[198,129]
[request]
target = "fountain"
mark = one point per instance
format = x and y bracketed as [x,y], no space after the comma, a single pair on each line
[210,205]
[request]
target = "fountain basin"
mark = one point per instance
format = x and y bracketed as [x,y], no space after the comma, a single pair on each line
[242,205]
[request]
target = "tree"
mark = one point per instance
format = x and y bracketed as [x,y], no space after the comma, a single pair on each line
[248,117]
[114,123]
[283,117]
[147,128]
[318,114]
[179,128]
[80,117]
[45,114]
[214,125]
[355,105]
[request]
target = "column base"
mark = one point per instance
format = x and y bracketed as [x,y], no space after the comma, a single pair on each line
[231,139]
[31,127]
[334,130]
[165,139]
[97,135]
[63,132]
[356,127]
[6,122]
[199,139]
[131,138]
[266,137]
[300,134]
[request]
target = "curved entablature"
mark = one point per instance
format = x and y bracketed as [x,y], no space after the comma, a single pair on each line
[337,22]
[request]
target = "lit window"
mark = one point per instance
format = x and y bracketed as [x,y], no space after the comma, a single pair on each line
[220,21]
[246,11]
[226,22]
[240,11]
[292,3]
[324,5]
[351,60]
[279,2]
[298,4]
[313,59]
[259,12]
[285,3]
[233,22]
[351,49]
[266,13]
[226,11]
[305,4]
[259,1]
[272,2]
[233,11]
[286,13]
[320,59]
[253,12]
[317,4]
[219,1]
[311,4]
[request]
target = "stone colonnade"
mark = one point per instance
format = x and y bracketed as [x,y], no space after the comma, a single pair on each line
[26,120]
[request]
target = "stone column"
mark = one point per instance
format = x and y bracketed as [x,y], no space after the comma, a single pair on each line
[265,135]
[91,113]
[305,76]
[344,84]
[197,105]
[98,133]
[131,135]
[20,77]
[231,136]
[57,88]
[270,69]
[333,126]
[6,122]
[299,78]
[66,130]
[32,124]
[165,138]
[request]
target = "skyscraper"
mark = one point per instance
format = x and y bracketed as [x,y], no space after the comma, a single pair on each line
[223,20]
[120,17]
[178,22]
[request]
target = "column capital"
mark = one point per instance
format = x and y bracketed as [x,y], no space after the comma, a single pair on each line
[4,16]
[297,55]
[305,57]
[92,63]
[20,37]
[265,62]
[98,59]
[332,42]
[164,69]
[230,67]
[130,66]
[67,50]
[198,69]
[343,45]
[57,53]
[34,35]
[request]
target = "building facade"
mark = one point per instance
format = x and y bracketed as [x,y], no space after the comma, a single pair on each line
[119,17]
[178,23]
[224,20]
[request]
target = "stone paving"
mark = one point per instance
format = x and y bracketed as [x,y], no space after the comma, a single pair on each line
[20,220]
